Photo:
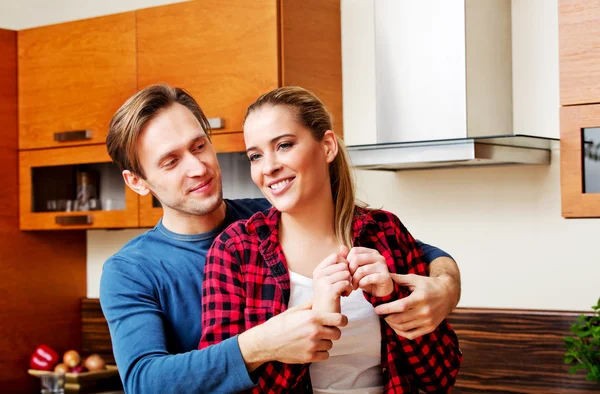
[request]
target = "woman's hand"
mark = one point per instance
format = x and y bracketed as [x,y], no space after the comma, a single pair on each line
[331,280]
[370,272]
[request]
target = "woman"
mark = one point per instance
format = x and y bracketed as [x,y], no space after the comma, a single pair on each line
[259,267]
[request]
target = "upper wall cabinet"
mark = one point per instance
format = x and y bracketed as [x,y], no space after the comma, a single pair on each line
[579,41]
[223,52]
[72,78]
[227,53]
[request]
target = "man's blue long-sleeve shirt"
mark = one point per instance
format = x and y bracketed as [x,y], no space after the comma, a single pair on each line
[151,296]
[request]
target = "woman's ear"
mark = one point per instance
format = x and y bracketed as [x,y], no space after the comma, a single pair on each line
[331,145]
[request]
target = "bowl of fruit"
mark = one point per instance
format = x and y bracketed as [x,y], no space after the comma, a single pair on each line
[80,372]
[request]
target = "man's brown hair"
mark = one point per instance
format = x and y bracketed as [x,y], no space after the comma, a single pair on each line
[129,121]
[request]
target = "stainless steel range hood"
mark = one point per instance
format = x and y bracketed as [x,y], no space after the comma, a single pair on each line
[496,150]
[429,83]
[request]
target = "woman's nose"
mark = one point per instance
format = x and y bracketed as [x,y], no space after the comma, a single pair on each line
[271,165]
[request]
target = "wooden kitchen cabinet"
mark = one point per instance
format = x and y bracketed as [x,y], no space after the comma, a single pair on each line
[227,53]
[580,160]
[48,180]
[579,48]
[72,78]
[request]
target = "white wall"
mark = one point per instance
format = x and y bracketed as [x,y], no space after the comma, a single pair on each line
[23,14]
[502,224]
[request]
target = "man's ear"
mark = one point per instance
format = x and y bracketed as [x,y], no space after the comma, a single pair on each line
[135,183]
[331,145]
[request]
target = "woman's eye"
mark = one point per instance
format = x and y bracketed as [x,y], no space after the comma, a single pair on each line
[254,157]
[285,145]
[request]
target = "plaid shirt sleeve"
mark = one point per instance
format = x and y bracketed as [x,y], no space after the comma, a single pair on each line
[223,295]
[431,362]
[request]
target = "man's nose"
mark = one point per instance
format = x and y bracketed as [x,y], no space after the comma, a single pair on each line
[195,166]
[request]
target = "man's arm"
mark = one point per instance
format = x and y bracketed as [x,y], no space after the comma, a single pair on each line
[135,319]
[432,298]
[298,335]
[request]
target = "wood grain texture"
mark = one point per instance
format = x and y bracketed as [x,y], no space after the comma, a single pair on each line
[505,351]
[576,203]
[223,52]
[8,88]
[311,40]
[95,337]
[515,351]
[579,51]
[223,143]
[74,76]
[30,220]
[43,274]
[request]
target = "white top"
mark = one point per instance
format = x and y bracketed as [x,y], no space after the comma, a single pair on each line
[354,364]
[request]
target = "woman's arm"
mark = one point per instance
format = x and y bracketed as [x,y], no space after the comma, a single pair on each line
[433,359]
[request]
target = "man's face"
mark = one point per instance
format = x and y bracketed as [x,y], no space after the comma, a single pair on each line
[179,163]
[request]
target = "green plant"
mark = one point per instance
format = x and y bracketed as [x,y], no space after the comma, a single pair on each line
[583,349]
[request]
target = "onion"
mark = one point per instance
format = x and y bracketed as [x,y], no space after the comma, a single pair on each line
[71,358]
[94,363]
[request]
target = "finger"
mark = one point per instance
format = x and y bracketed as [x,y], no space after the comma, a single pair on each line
[409,280]
[363,271]
[342,288]
[414,334]
[329,333]
[344,251]
[342,276]
[302,307]
[324,345]
[332,269]
[405,326]
[412,301]
[373,279]
[332,319]
[320,356]
[358,260]
[326,262]
[361,250]
[404,317]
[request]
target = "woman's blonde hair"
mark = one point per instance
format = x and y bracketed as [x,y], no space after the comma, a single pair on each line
[312,114]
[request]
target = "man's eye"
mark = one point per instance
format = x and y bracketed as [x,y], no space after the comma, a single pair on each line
[199,147]
[169,163]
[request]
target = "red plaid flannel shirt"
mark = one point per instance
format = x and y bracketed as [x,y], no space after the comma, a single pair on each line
[247,282]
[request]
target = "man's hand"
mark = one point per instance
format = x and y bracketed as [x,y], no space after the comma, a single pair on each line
[297,336]
[431,300]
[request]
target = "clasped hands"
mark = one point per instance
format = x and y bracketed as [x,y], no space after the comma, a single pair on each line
[341,273]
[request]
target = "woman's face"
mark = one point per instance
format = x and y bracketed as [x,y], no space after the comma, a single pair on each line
[288,165]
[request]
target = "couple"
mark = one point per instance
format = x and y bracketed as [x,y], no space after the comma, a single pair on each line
[253,310]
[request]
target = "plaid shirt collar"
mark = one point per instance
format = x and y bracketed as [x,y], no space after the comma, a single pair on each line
[265,226]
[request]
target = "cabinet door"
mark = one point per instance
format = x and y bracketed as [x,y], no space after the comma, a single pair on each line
[72,78]
[580,161]
[51,189]
[579,41]
[225,53]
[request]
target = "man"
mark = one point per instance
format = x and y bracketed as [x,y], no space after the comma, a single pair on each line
[150,290]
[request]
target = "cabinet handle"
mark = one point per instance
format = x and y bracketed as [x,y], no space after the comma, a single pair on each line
[216,123]
[73,220]
[73,135]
